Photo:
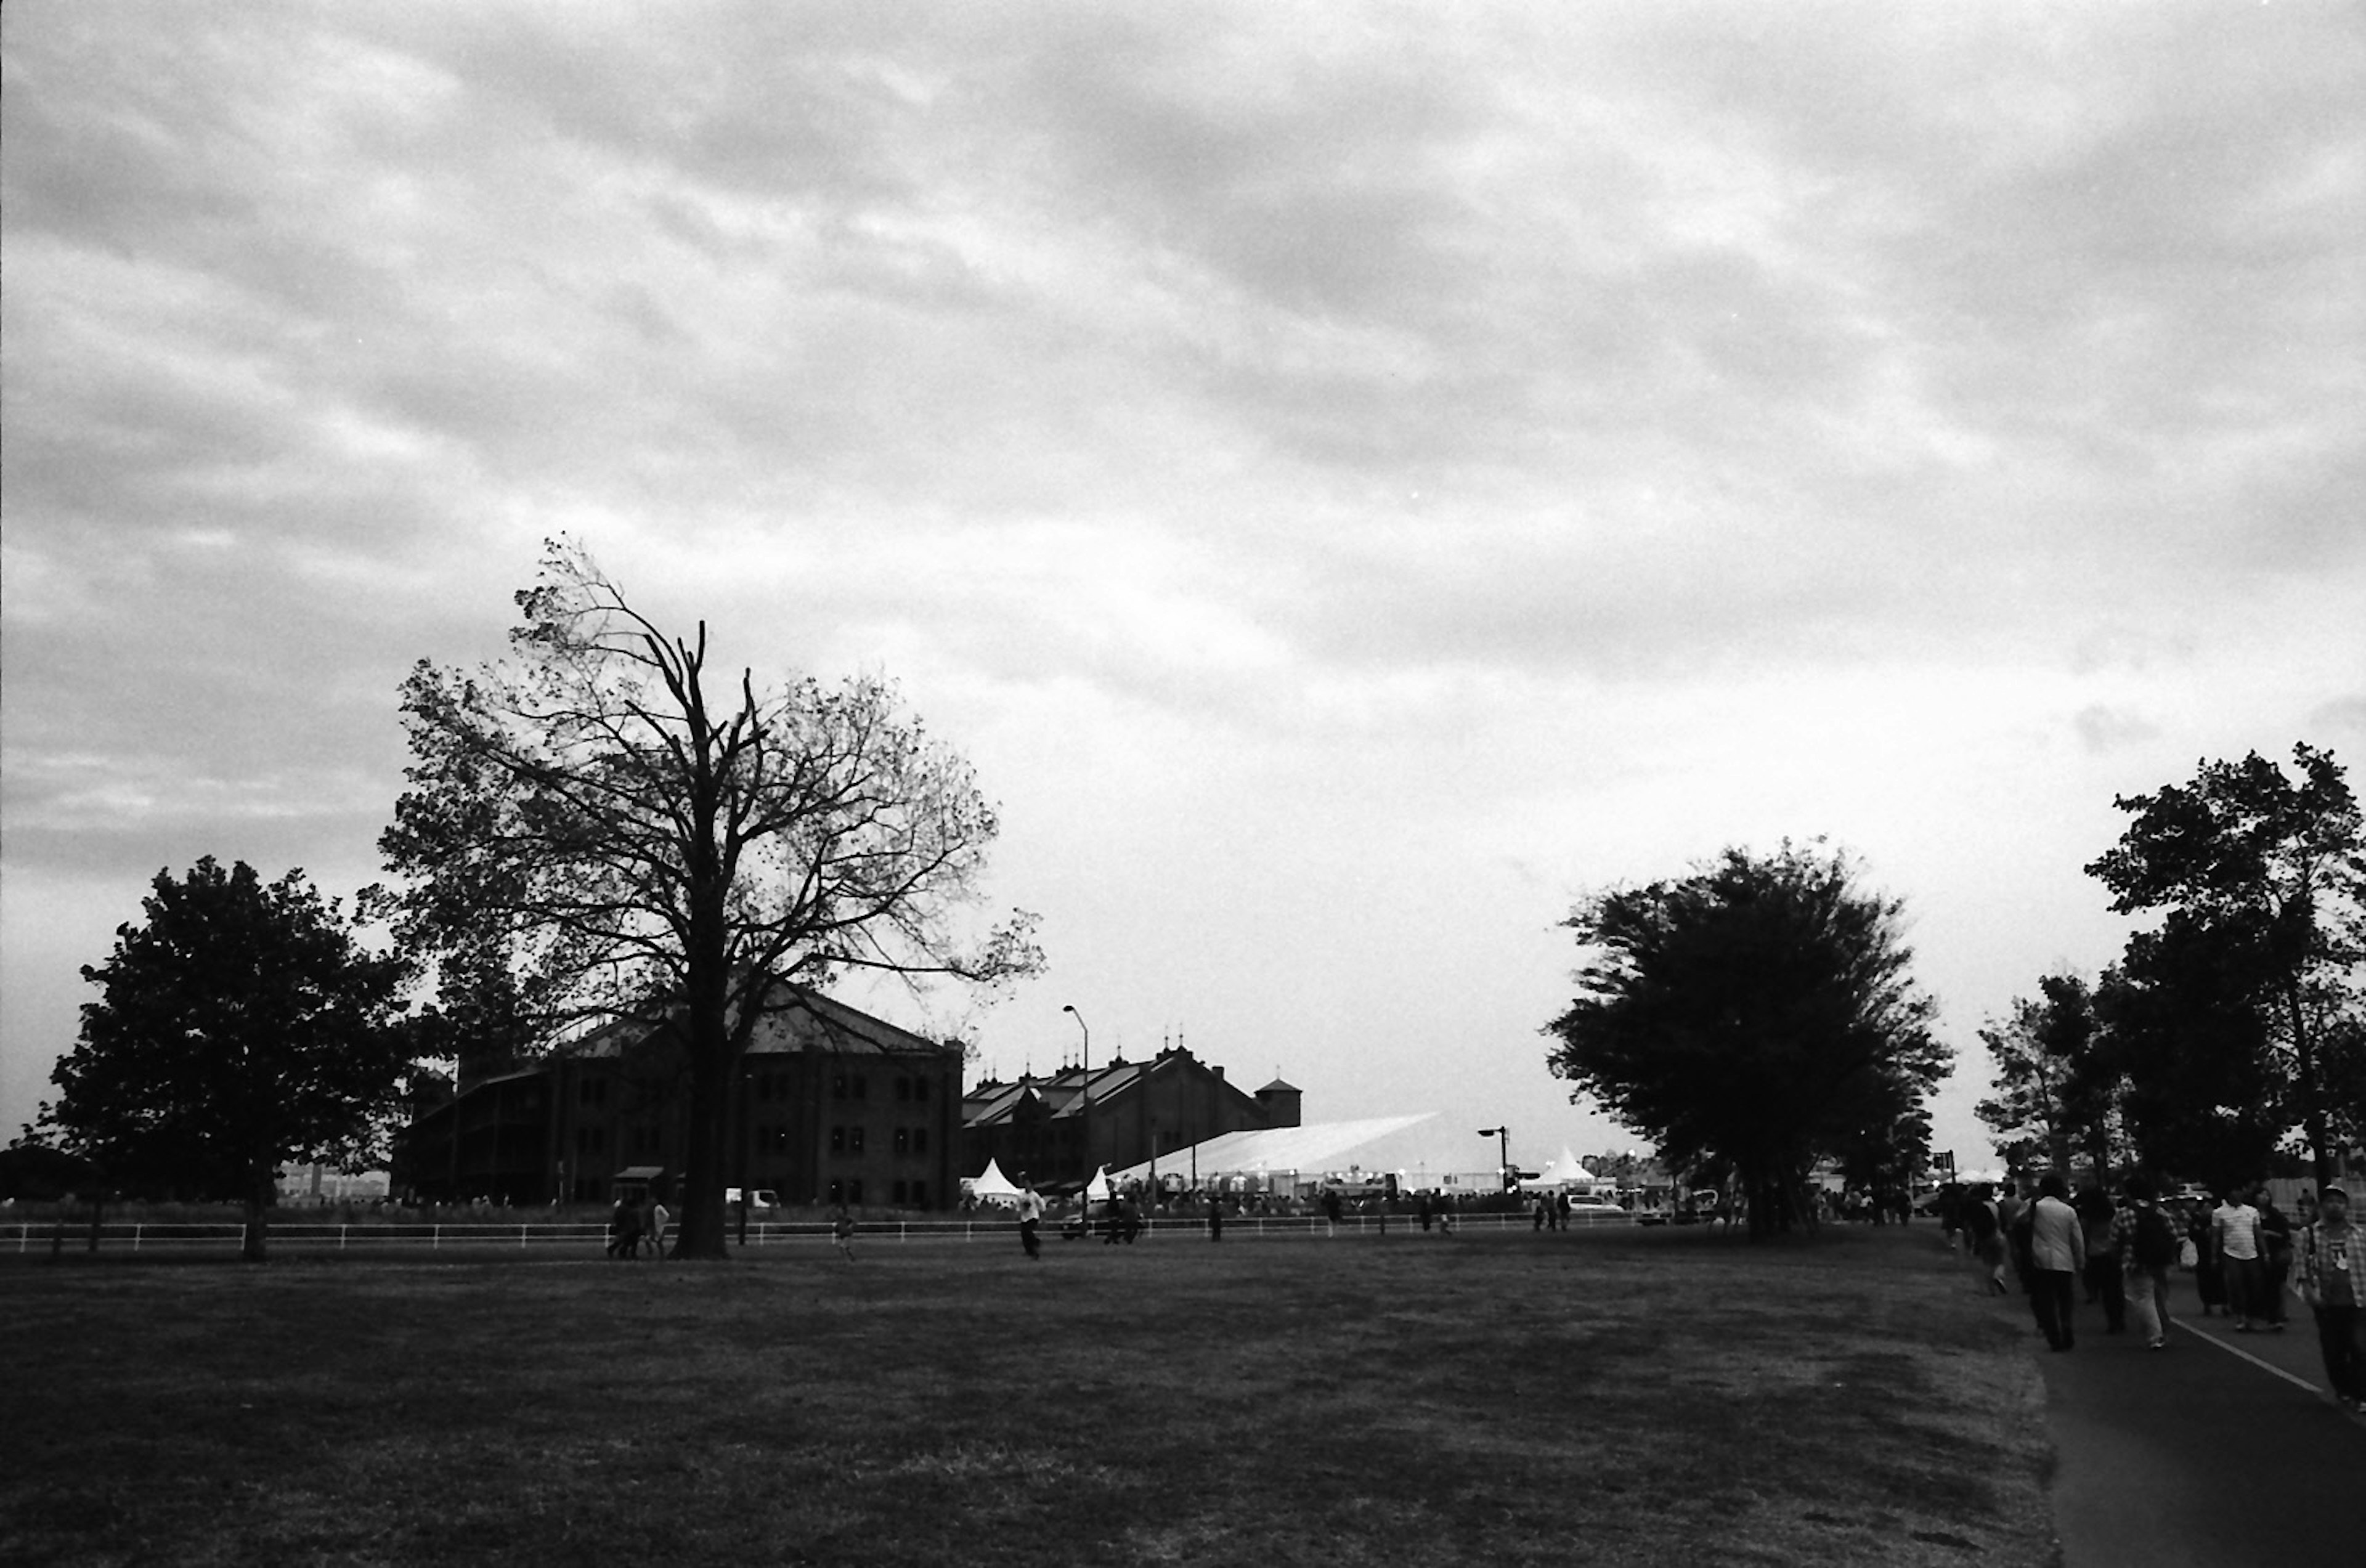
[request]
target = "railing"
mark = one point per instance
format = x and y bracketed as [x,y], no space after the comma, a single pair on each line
[171,1239]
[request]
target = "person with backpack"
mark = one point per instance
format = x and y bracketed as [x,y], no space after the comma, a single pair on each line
[2146,1241]
[2332,1281]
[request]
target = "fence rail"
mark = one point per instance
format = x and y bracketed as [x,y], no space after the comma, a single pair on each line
[295,1236]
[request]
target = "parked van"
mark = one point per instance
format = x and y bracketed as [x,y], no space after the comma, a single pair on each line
[758,1198]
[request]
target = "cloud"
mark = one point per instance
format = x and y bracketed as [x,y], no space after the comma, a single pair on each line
[2103,728]
[1320,430]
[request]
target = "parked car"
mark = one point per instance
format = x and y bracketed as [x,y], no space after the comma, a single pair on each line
[758,1198]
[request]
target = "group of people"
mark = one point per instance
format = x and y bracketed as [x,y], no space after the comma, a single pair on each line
[631,1222]
[2247,1256]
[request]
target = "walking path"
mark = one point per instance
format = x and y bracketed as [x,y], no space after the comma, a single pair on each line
[2225,1450]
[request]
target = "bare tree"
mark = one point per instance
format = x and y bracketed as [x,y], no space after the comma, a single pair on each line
[642,844]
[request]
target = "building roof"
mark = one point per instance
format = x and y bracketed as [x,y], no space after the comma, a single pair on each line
[1063,1093]
[806,1019]
[800,1019]
[1278,1086]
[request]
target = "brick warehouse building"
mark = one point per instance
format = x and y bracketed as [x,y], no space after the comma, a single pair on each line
[1054,1132]
[829,1105]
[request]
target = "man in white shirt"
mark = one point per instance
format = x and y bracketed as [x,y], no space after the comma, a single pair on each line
[2057,1250]
[1030,1215]
[2234,1226]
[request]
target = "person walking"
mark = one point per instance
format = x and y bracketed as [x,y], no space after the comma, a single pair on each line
[2275,1257]
[1331,1207]
[2058,1252]
[2104,1276]
[841,1233]
[1030,1215]
[2234,1228]
[2144,1239]
[659,1220]
[2332,1278]
[1987,1234]
[2209,1274]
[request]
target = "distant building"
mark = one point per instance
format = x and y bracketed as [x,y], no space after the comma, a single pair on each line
[1056,1131]
[829,1105]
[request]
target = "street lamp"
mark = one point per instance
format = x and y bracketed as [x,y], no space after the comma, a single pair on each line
[1503,1135]
[1085,1115]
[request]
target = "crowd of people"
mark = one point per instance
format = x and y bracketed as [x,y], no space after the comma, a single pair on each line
[2248,1260]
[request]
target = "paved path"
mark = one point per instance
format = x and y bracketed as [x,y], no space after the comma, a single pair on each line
[2156,1448]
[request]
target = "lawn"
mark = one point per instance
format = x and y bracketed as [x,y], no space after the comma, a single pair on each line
[1620,1396]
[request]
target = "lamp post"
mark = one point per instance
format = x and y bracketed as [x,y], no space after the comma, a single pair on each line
[1503,1136]
[1085,1116]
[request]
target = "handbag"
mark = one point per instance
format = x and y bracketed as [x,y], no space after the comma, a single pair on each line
[2187,1257]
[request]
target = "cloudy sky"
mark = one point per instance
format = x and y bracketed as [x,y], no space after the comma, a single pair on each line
[1353,478]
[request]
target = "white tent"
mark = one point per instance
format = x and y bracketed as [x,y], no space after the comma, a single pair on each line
[990,1186]
[1099,1189]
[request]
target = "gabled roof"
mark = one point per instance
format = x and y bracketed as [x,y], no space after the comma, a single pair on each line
[1063,1093]
[799,1019]
[804,1020]
[1278,1086]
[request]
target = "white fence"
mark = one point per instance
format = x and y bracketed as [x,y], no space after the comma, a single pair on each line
[295,1236]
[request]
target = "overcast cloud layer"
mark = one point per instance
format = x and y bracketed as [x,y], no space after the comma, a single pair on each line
[1352,478]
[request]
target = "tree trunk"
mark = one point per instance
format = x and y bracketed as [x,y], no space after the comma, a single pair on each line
[2312,1098]
[258,1205]
[712,1047]
[704,1231]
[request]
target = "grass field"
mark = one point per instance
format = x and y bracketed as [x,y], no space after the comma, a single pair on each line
[1622,1396]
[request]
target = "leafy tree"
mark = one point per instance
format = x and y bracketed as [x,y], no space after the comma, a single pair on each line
[2205,1091]
[2275,871]
[1883,1158]
[644,843]
[242,1027]
[1758,1011]
[2058,1082]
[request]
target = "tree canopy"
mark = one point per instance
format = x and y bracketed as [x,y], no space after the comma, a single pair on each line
[242,1027]
[2263,878]
[1758,1011]
[2057,1079]
[630,836]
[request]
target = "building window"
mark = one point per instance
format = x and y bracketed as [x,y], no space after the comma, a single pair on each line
[838,1087]
[903,1086]
[921,1090]
[854,1140]
[854,1190]
[590,1140]
[862,1087]
[837,1142]
[772,1140]
[899,1193]
[836,1192]
[920,1194]
[903,1141]
[591,1091]
[919,1140]
[647,1139]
